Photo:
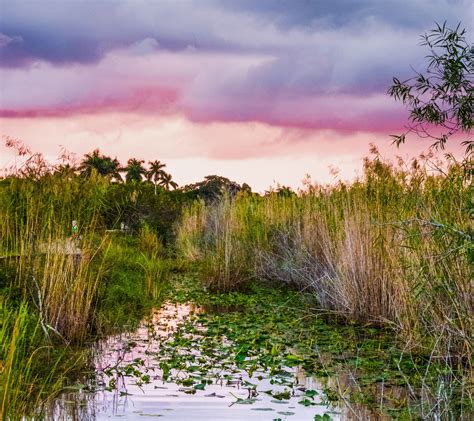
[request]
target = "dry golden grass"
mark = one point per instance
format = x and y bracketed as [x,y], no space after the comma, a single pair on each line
[390,249]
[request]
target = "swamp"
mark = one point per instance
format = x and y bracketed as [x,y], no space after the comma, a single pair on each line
[346,296]
[124,300]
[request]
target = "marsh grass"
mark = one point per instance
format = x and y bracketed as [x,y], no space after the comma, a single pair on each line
[390,249]
[149,242]
[67,278]
[154,262]
[218,236]
[57,269]
[156,272]
[135,278]
[49,284]
[31,372]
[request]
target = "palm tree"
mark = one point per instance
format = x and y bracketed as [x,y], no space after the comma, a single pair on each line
[114,168]
[134,170]
[167,182]
[155,173]
[104,165]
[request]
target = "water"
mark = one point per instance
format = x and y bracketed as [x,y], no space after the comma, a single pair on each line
[130,384]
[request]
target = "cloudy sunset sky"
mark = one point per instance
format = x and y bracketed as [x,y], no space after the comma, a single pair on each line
[260,91]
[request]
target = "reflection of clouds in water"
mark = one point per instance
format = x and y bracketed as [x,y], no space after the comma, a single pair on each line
[166,399]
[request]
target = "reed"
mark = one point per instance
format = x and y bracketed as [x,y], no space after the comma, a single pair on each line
[67,277]
[392,249]
[31,373]
[57,264]
[149,242]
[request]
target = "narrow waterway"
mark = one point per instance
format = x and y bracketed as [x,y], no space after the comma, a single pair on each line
[167,369]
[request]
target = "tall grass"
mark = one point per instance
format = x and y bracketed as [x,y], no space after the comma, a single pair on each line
[52,274]
[66,276]
[153,262]
[56,268]
[391,249]
[30,372]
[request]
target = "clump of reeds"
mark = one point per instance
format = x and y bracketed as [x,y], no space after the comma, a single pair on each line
[391,249]
[150,242]
[154,262]
[30,373]
[213,235]
[156,271]
[47,225]
[190,232]
[59,260]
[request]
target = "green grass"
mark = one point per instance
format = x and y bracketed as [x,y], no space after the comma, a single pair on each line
[53,300]
[32,369]
[133,284]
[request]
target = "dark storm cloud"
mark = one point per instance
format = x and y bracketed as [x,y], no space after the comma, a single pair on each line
[83,31]
[314,13]
[242,60]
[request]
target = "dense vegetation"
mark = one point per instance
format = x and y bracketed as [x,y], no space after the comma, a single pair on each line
[392,250]
[82,253]
[88,248]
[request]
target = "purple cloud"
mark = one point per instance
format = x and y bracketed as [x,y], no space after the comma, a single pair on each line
[274,61]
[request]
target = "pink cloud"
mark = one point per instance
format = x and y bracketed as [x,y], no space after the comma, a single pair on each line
[256,153]
[194,84]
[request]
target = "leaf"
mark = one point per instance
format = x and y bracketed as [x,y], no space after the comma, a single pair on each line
[292,359]
[306,402]
[122,393]
[324,417]
[311,393]
[249,401]
[200,386]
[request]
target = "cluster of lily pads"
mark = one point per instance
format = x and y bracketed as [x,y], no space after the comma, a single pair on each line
[258,339]
[203,349]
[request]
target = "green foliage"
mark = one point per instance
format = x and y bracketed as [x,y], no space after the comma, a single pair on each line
[390,250]
[214,187]
[134,281]
[65,279]
[102,164]
[167,182]
[281,191]
[155,171]
[135,171]
[267,331]
[137,205]
[32,372]
[443,96]
[150,242]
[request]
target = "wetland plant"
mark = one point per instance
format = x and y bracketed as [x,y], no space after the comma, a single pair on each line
[393,249]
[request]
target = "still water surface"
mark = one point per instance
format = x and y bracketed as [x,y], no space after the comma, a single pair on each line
[129,383]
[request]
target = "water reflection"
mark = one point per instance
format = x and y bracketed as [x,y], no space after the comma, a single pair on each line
[129,383]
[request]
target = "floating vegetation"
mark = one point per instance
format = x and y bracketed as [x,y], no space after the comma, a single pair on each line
[258,352]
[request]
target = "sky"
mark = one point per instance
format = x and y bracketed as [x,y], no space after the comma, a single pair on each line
[261,92]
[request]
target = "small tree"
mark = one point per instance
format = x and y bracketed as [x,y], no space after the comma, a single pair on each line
[213,188]
[440,101]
